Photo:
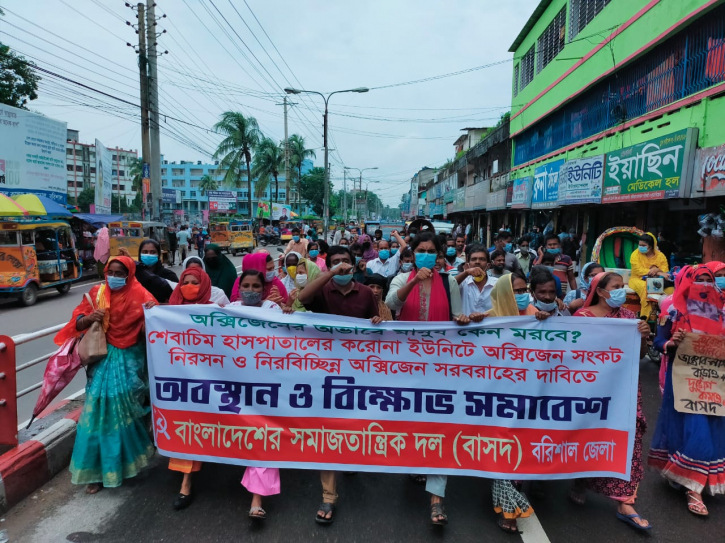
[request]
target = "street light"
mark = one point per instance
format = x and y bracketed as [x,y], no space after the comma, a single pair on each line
[288,90]
[354,203]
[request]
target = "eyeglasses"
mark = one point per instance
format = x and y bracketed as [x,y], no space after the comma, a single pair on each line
[120,274]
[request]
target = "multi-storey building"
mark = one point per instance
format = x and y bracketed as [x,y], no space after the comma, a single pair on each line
[81,168]
[611,98]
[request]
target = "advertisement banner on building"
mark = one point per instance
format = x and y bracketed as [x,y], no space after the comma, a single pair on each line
[709,177]
[32,154]
[171,196]
[521,197]
[222,200]
[264,210]
[104,176]
[580,181]
[545,191]
[282,212]
[460,201]
[656,169]
[514,398]
[496,200]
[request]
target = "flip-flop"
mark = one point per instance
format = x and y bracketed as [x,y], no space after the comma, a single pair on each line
[418,479]
[437,510]
[629,519]
[254,510]
[325,508]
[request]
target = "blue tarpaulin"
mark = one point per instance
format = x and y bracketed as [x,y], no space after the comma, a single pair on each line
[97,220]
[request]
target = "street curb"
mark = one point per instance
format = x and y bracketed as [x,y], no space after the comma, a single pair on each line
[30,465]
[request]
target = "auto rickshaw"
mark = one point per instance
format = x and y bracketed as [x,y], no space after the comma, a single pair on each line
[36,255]
[130,234]
[241,237]
[286,238]
[221,234]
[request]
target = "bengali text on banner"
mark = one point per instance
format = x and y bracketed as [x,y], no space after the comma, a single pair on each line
[507,398]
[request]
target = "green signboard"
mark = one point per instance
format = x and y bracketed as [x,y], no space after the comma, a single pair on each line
[653,170]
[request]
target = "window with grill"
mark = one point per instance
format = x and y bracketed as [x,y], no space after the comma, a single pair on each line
[527,67]
[582,13]
[516,80]
[552,40]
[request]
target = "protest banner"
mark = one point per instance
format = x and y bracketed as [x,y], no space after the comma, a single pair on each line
[508,398]
[697,375]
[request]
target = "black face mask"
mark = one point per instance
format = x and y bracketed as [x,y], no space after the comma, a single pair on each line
[212,261]
[366,245]
[497,269]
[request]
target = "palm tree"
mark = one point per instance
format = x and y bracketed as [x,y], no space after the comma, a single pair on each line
[242,137]
[298,154]
[268,161]
[207,183]
[135,170]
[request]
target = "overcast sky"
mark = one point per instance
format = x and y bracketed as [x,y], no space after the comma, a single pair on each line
[324,46]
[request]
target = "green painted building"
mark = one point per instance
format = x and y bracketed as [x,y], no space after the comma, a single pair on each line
[631,93]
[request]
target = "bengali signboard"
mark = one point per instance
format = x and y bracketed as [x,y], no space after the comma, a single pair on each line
[709,177]
[521,197]
[696,375]
[653,170]
[515,398]
[580,181]
[171,196]
[545,191]
[222,200]
[104,177]
[32,154]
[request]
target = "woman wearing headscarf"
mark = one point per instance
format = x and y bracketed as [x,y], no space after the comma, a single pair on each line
[221,271]
[274,289]
[150,272]
[510,298]
[647,261]
[112,441]
[217,295]
[306,272]
[575,298]
[194,288]
[369,253]
[689,449]
[379,286]
[289,266]
[605,299]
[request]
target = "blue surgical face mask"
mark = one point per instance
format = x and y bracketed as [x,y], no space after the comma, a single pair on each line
[522,300]
[394,250]
[425,260]
[384,254]
[720,282]
[554,251]
[407,266]
[412,236]
[543,306]
[342,280]
[584,283]
[115,283]
[508,247]
[296,238]
[314,253]
[451,251]
[149,260]
[358,259]
[617,297]
[643,248]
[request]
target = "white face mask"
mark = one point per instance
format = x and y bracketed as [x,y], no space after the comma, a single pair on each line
[301,280]
[270,275]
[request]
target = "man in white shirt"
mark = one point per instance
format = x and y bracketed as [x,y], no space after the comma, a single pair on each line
[386,264]
[475,284]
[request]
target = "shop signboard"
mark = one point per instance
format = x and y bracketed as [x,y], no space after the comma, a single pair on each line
[496,200]
[470,197]
[222,200]
[709,177]
[654,170]
[460,199]
[545,192]
[580,181]
[171,196]
[521,197]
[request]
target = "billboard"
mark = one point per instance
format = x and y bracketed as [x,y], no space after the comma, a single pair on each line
[709,178]
[521,197]
[103,179]
[580,181]
[222,200]
[32,154]
[281,212]
[653,170]
[171,196]
[545,194]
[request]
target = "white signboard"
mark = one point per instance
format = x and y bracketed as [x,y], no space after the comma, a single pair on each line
[281,212]
[103,179]
[32,154]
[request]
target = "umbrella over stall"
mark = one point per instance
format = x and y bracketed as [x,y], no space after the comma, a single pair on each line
[40,205]
[10,208]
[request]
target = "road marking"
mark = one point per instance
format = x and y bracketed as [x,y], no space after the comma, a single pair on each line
[533,531]
[86,284]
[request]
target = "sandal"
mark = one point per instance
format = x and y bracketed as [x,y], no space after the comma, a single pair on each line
[257,513]
[507,526]
[437,510]
[418,479]
[325,508]
[578,498]
[94,488]
[696,505]
[629,519]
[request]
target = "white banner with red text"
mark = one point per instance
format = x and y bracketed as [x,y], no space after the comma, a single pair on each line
[507,398]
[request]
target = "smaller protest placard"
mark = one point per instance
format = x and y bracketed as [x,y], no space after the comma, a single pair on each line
[698,375]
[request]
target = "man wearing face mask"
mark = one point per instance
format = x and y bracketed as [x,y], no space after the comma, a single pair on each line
[297,244]
[335,292]
[504,242]
[543,289]
[387,263]
[563,265]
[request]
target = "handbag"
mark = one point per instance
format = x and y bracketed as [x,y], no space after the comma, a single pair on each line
[92,346]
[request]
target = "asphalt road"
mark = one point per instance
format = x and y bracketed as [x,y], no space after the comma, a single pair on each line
[51,308]
[373,507]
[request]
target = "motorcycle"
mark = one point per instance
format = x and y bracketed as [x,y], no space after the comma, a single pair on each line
[271,239]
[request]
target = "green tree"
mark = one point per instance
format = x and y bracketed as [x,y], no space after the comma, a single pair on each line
[135,170]
[312,189]
[268,161]
[235,150]
[18,79]
[207,183]
[86,198]
[298,154]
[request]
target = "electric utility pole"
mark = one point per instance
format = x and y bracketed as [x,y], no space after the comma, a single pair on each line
[143,76]
[286,155]
[155,135]
[344,196]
